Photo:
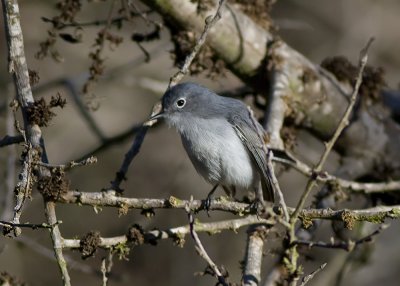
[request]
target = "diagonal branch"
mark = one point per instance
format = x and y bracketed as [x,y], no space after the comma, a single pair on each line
[210,22]
[342,124]
[134,150]
[200,248]
[19,68]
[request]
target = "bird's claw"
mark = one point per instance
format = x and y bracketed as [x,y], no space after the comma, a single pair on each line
[207,201]
[257,207]
[207,204]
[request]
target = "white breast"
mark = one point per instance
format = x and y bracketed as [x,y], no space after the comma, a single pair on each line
[218,154]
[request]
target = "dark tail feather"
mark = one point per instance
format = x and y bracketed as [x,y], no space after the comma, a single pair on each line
[268,190]
[282,156]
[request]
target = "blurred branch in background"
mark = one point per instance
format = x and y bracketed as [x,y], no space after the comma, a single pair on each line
[290,90]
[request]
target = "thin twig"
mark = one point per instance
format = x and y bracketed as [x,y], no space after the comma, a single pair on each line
[49,254]
[134,150]
[50,212]
[342,124]
[307,278]
[114,21]
[351,186]
[177,232]
[103,270]
[345,245]
[201,250]
[72,164]
[210,22]
[26,225]
[280,197]
[7,197]
[143,15]
[129,156]
[292,255]
[75,93]
[106,266]
[109,142]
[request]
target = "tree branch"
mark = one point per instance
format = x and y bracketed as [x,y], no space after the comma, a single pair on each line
[50,212]
[342,124]
[176,232]
[254,253]
[201,250]
[110,199]
[210,22]
[18,67]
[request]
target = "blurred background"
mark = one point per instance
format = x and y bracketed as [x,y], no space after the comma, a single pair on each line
[125,95]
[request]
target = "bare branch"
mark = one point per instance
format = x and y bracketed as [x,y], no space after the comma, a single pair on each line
[307,278]
[23,187]
[50,212]
[210,22]
[111,199]
[177,232]
[281,199]
[9,140]
[18,67]
[342,124]
[351,186]
[72,164]
[200,248]
[134,150]
[10,171]
[106,265]
[254,254]
[117,139]
[345,245]
[129,156]
[49,254]
[26,225]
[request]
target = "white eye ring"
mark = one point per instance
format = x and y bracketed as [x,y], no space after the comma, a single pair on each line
[180,102]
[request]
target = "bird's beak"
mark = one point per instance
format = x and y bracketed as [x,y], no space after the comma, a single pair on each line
[156,114]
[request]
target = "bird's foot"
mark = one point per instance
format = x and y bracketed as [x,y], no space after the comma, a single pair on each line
[258,207]
[207,201]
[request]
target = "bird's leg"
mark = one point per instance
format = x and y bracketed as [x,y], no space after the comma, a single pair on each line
[207,202]
[258,204]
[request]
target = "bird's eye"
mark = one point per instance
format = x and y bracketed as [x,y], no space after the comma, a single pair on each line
[181,102]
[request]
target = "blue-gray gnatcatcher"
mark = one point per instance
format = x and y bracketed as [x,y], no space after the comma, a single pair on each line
[220,136]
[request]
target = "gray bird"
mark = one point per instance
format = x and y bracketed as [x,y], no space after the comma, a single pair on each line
[220,137]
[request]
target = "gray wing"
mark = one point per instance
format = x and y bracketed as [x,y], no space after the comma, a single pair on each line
[247,133]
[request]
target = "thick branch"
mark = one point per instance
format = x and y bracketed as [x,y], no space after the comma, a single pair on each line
[254,254]
[311,92]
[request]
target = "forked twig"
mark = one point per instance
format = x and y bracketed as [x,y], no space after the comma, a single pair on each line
[201,250]
[342,124]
